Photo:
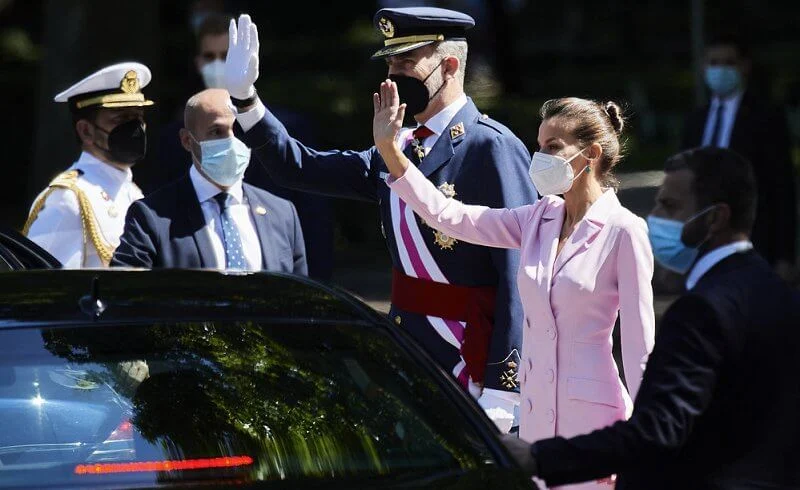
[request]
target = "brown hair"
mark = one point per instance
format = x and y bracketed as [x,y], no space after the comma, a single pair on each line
[592,122]
[213,25]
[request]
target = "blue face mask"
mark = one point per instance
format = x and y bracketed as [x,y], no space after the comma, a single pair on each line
[723,80]
[668,248]
[224,160]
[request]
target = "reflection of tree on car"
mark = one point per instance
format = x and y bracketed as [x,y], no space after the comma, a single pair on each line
[301,407]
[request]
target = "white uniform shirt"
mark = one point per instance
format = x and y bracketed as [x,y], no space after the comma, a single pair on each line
[59,229]
[240,212]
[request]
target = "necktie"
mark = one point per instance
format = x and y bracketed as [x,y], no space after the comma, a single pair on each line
[716,133]
[417,137]
[234,253]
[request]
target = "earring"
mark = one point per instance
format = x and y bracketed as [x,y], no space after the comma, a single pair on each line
[588,169]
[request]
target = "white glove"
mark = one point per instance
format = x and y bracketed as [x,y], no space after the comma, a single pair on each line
[241,65]
[499,406]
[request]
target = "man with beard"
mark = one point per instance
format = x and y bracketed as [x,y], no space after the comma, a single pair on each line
[79,217]
[458,300]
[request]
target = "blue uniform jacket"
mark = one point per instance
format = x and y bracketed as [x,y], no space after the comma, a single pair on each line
[483,161]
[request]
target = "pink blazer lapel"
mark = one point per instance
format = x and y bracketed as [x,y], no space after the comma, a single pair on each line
[549,231]
[587,230]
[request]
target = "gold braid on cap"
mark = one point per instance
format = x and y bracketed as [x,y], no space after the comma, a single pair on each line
[68,180]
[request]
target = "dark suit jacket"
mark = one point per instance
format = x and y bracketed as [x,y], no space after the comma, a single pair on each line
[316,212]
[761,134]
[483,161]
[166,229]
[719,403]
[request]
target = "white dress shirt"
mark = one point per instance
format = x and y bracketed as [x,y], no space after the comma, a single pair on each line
[240,212]
[713,257]
[59,228]
[730,106]
[439,123]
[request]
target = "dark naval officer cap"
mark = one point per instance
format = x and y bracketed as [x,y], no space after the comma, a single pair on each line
[118,85]
[405,29]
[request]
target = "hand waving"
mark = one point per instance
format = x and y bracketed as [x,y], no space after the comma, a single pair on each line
[241,65]
[388,118]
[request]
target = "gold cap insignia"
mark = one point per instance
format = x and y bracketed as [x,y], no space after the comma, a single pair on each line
[261,210]
[449,190]
[130,83]
[456,131]
[444,241]
[386,27]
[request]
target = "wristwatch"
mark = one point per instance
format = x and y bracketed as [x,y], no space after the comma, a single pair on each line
[240,103]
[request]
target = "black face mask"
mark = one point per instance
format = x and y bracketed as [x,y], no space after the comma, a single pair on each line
[414,93]
[127,142]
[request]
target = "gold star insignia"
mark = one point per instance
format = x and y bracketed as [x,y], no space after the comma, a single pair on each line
[444,241]
[509,379]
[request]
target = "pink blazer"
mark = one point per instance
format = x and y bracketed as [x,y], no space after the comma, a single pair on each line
[569,380]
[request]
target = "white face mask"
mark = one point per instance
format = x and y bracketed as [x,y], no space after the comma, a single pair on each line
[551,174]
[214,74]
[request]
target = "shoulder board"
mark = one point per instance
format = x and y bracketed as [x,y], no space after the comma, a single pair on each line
[487,121]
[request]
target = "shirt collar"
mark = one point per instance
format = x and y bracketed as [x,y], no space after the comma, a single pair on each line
[205,189]
[108,171]
[732,101]
[712,258]
[439,122]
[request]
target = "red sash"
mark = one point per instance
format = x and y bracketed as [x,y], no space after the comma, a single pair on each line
[473,305]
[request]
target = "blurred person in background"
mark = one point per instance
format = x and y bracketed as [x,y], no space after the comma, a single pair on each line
[742,119]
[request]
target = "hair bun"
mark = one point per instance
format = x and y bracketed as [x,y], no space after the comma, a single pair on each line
[615,116]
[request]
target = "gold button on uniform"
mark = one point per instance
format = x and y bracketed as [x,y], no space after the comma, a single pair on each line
[397,319]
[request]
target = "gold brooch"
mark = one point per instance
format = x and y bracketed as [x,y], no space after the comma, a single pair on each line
[386,27]
[457,131]
[449,190]
[130,83]
[444,241]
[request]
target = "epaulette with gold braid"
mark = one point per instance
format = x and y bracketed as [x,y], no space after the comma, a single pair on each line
[68,180]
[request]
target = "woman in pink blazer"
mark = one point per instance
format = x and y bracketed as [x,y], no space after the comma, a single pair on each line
[584,260]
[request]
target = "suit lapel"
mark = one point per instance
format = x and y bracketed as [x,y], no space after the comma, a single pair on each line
[580,239]
[197,223]
[549,231]
[261,222]
[444,148]
[584,234]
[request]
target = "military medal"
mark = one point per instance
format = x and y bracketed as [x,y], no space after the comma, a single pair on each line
[419,150]
[449,190]
[444,241]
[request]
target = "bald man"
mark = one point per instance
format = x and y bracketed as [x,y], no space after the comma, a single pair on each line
[209,218]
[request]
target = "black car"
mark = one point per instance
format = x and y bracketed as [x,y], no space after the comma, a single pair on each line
[141,379]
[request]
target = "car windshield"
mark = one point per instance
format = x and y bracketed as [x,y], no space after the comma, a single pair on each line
[211,401]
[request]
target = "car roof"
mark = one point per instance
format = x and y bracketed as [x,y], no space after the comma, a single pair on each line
[60,296]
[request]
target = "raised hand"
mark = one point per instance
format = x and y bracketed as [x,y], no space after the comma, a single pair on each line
[241,65]
[388,118]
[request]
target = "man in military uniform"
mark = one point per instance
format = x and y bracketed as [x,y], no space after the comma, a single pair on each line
[458,300]
[80,216]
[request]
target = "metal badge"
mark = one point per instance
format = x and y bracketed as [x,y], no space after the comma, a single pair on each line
[444,241]
[261,210]
[449,190]
[130,83]
[419,150]
[509,379]
[457,130]
[386,27]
